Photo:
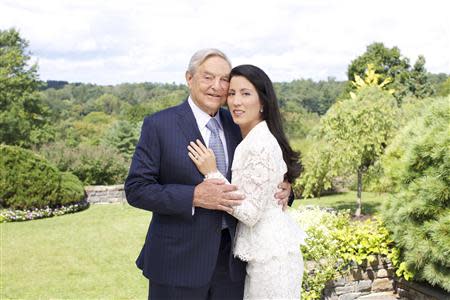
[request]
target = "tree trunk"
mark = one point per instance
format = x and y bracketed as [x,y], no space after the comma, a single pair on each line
[358,193]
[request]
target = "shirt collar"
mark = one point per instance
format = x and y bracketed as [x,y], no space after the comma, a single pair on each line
[201,117]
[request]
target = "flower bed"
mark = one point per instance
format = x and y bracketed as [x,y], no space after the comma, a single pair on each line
[11,215]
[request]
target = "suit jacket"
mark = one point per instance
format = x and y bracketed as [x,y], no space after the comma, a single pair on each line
[180,249]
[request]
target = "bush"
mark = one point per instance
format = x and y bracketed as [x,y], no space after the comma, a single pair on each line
[94,165]
[335,243]
[30,181]
[418,165]
[70,188]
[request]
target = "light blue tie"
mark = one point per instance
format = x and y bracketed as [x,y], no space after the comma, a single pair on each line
[216,145]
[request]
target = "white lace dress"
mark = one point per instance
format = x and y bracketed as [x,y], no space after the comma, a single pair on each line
[266,237]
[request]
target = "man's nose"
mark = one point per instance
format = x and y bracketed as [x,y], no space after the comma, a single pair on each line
[216,84]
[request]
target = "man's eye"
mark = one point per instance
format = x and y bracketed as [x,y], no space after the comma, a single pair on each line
[246,94]
[230,93]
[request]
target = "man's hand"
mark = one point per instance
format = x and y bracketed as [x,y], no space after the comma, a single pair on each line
[282,196]
[215,194]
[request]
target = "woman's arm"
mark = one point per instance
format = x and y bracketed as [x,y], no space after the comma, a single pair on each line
[254,183]
[254,175]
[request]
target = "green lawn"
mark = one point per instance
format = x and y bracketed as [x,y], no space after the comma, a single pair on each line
[91,254]
[371,202]
[85,255]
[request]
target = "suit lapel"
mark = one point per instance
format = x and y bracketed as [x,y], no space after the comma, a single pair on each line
[188,124]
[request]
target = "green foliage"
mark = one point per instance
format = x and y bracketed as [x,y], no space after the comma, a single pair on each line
[22,114]
[354,135]
[315,97]
[444,88]
[336,243]
[297,122]
[94,165]
[419,83]
[70,188]
[137,113]
[108,104]
[91,129]
[30,181]
[122,136]
[359,129]
[390,63]
[318,175]
[418,165]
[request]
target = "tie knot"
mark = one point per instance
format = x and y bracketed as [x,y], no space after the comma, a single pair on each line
[213,125]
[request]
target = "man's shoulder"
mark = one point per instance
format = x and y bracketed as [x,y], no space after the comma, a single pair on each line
[165,114]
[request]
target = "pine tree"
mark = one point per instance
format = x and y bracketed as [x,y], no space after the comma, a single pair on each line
[419,215]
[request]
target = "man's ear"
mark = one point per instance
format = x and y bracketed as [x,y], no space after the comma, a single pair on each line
[188,77]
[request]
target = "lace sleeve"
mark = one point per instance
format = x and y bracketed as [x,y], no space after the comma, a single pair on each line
[254,182]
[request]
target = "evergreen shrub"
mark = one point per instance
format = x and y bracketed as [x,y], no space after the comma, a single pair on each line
[418,165]
[30,181]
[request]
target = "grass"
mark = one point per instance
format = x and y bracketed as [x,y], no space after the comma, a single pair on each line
[371,202]
[91,254]
[85,255]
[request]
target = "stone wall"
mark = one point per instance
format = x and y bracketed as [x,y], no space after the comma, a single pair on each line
[373,278]
[105,194]
[377,281]
[420,291]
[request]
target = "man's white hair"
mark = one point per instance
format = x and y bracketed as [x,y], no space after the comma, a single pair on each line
[200,56]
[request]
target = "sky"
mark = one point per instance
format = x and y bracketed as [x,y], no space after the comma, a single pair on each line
[112,42]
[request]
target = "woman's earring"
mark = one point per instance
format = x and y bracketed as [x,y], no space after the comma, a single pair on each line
[261,109]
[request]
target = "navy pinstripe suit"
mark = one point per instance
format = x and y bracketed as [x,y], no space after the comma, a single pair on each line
[180,249]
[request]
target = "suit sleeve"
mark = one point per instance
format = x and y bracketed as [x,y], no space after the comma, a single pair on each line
[142,186]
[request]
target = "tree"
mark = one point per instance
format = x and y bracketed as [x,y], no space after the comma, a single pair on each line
[418,215]
[108,104]
[23,116]
[123,136]
[91,129]
[389,63]
[444,88]
[419,83]
[356,131]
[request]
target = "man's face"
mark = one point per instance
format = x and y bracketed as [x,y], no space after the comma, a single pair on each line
[209,84]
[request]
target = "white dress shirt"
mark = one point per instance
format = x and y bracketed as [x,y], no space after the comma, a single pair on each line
[202,118]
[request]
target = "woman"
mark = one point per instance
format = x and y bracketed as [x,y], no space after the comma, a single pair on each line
[265,236]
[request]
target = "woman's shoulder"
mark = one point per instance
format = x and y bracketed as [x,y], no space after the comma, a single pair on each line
[261,140]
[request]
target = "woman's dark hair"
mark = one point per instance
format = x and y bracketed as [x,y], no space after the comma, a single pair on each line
[271,114]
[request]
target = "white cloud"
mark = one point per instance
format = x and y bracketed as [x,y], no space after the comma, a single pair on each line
[108,42]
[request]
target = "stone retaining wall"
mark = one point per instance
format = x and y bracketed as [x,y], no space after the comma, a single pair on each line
[375,277]
[377,280]
[420,291]
[105,194]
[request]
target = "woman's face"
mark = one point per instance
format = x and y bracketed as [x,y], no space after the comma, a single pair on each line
[243,102]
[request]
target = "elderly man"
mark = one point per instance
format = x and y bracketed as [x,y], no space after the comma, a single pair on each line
[187,251]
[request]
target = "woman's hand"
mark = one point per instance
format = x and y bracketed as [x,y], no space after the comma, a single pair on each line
[202,157]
